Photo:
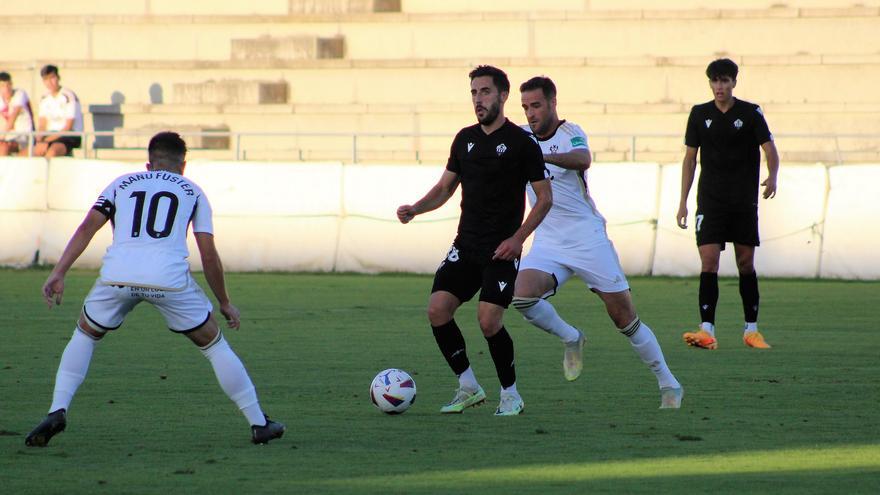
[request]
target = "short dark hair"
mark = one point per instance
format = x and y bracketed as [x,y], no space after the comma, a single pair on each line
[499,78]
[167,148]
[47,70]
[722,67]
[539,82]
[5,77]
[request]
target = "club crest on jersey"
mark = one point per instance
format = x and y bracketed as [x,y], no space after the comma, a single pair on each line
[708,123]
[500,149]
[470,147]
[453,254]
[553,149]
[738,123]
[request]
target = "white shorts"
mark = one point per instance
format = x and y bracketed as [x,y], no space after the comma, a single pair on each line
[598,266]
[22,141]
[106,306]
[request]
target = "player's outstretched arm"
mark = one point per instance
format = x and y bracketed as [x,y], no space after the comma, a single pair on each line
[53,289]
[772,169]
[436,197]
[511,247]
[579,159]
[688,170]
[213,268]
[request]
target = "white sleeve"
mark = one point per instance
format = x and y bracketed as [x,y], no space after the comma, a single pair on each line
[202,217]
[19,99]
[579,138]
[70,106]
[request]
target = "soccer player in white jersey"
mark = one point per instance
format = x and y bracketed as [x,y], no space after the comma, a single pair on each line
[572,241]
[151,212]
[15,115]
[60,111]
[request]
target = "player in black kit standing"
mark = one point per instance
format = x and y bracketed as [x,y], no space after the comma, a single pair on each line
[730,134]
[493,161]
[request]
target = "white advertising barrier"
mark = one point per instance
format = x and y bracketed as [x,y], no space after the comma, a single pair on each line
[675,252]
[74,185]
[269,189]
[852,229]
[626,195]
[789,245]
[788,224]
[272,216]
[326,217]
[22,208]
[373,240]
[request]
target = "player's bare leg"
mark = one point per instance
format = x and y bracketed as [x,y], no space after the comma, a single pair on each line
[748,291]
[643,341]
[234,380]
[41,148]
[56,149]
[531,285]
[72,372]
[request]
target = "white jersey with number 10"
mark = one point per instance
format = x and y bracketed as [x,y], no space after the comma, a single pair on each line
[151,212]
[573,220]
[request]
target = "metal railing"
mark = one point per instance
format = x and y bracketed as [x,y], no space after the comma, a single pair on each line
[352,147]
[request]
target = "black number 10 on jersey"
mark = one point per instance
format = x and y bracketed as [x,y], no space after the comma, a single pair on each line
[140,197]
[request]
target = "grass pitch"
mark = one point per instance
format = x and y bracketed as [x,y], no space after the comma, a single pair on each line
[150,418]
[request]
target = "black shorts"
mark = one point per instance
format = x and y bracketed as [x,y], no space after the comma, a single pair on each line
[463,276]
[71,142]
[719,227]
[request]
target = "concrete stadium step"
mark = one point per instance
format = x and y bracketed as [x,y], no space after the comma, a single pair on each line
[405,36]
[232,91]
[347,7]
[452,6]
[635,132]
[199,7]
[289,48]
[829,80]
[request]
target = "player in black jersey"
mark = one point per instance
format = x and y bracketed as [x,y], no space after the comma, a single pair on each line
[730,134]
[492,160]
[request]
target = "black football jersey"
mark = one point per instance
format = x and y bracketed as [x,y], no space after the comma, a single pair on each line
[493,170]
[730,154]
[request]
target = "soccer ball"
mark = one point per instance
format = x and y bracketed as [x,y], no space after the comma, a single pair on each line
[393,391]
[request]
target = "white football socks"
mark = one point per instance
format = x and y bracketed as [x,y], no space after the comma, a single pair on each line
[644,342]
[543,315]
[468,380]
[72,369]
[708,328]
[751,326]
[234,379]
[511,390]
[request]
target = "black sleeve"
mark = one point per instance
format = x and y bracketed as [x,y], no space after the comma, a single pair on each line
[762,130]
[452,163]
[692,133]
[533,160]
[105,207]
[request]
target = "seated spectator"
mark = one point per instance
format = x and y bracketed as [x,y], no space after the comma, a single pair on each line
[15,110]
[60,111]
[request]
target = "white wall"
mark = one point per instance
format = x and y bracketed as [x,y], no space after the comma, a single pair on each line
[335,217]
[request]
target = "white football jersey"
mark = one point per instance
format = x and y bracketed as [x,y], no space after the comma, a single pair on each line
[151,212]
[24,121]
[58,109]
[573,220]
